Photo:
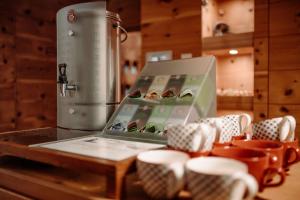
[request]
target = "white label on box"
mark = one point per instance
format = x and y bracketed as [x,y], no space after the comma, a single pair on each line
[103,148]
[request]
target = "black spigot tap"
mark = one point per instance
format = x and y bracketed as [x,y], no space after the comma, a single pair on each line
[62,78]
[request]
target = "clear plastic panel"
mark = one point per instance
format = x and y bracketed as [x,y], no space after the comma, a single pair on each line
[167,92]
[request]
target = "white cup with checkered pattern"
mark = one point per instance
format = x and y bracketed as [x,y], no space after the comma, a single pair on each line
[192,137]
[228,125]
[162,172]
[280,128]
[215,178]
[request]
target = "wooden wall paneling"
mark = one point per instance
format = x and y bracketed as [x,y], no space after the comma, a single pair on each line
[175,32]
[284,17]
[261,88]
[284,109]
[284,87]
[284,66]
[162,10]
[7,6]
[261,54]
[58,4]
[36,28]
[7,25]
[39,9]
[7,115]
[28,62]
[7,68]
[284,52]
[129,11]
[36,91]
[7,74]
[35,49]
[9,195]
[209,17]
[260,112]
[235,72]
[261,18]
[7,63]
[37,114]
[177,50]
[235,103]
[7,92]
[261,60]
[228,12]
[35,69]
[181,36]
[36,20]
[36,108]
[239,15]
[7,50]
[171,25]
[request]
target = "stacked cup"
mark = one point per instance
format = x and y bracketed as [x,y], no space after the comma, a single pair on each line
[164,173]
[269,150]
[238,165]
[195,138]
[228,127]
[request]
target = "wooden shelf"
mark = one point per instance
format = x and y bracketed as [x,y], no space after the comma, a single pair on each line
[235,102]
[225,52]
[228,41]
[17,143]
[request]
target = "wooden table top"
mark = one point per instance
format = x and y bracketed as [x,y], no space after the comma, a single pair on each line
[83,185]
[53,182]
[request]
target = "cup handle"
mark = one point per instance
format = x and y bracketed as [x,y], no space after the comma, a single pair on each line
[176,171]
[292,122]
[292,125]
[203,130]
[218,125]
[291,151]
[250,182]
[248,122]
[279,171]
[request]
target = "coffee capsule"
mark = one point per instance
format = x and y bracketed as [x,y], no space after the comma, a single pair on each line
[132,126]
[135,94]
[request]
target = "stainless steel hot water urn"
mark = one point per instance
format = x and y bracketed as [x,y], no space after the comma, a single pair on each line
[88,73]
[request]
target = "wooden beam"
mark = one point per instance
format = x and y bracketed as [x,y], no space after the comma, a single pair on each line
[228,41]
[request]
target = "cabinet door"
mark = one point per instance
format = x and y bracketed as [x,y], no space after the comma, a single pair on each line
[284,17]
[284,52]
[261,89]
[261,18]
[284,87]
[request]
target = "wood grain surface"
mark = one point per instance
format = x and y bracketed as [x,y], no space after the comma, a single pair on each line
[41,181]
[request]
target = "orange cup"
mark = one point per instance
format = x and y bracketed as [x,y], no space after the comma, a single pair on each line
[258,164]
[274,149]
[291,153]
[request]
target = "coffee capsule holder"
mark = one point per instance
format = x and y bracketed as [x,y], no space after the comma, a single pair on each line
[167,92]
[178,91]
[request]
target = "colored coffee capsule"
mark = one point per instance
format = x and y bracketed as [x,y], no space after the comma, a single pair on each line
[132,127]
[150,128]
[135,94]
[186,93]
[118,127]
[152,95]
[168,93]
